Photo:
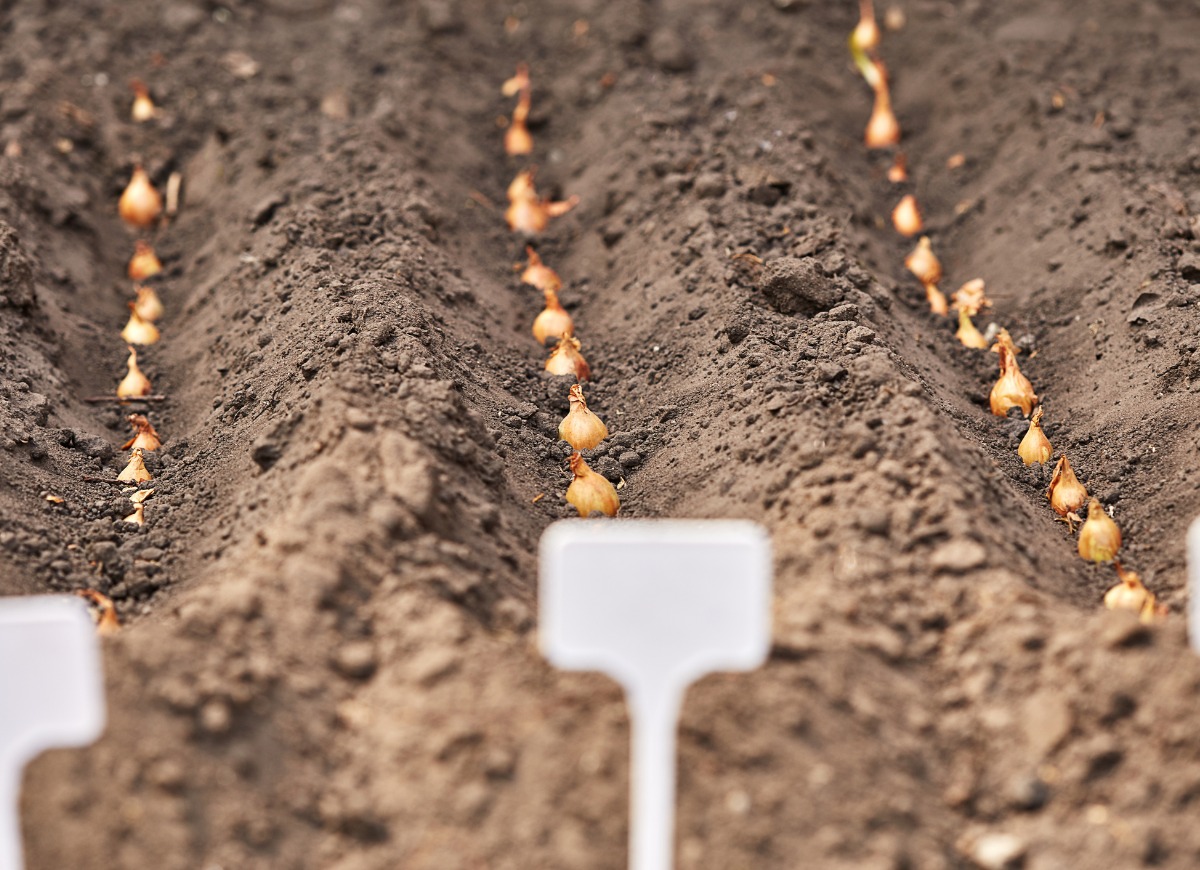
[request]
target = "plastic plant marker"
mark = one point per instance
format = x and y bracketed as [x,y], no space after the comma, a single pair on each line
[1193,568]
[655,604]
[51,694]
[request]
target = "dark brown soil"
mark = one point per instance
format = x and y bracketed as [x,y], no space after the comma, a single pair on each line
[329,656]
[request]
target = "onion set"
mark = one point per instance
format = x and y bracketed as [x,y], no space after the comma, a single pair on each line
[906,217]
[590,492]
[135,384]
[1131,594]
[883,130]
[135,471]
[923,263]
[554,321]
[143,107]
[144,437]
[527,212]
[517,140]
[1066,493]
[1035,446]
[1012,389]
[538,274]
[967,332]
[567,360]
[582,429]
[144,263]
[1099,537]
[140,204]
[139,330]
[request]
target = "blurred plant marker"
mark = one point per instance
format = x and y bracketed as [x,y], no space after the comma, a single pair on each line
[1193,568]
[51,694]
[655,604]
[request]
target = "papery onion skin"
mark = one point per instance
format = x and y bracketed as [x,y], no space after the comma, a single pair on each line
[581,428]
[590,492]
[1066,493]
[1099,537]
[140,204]
[567,360]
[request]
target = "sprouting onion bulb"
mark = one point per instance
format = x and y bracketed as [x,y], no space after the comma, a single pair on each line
[1131,594]
[1012,389]
[967,332]
[883,130]
[1066,493]
[554,321]
[144,263]
[970,297]
[906,217]
[147,306]
[143,107]
[1099,537]
[864,40]
[145,437]
[134,384]
[135,471]
[1035,446]
[590,492]
[138,330]
[567,360]
[538,274]
[582,429]
[527,212]
[140,204]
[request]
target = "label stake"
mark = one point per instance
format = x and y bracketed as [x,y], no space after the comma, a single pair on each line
[51,694]
[655,604]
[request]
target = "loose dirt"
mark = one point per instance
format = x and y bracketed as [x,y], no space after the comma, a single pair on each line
[329,656]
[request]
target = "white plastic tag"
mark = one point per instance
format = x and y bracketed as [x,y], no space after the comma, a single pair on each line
[51,694]
[655,604]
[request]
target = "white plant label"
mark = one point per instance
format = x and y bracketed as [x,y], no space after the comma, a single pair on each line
[655,604]
[1193,568]
[51,694]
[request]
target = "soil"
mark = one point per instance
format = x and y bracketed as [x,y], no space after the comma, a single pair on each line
[329,657]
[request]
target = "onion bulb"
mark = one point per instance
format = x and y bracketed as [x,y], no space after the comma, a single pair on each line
[148,307]
[936,299]
[143,107]
[144,263]
[883,130]
[967,332]
[906,217]
[138,330]
[567,360]
[590,492]
[923,263]
[866,33]
[1012,389]
[140,204]
[898,173]
[538,274]
[1066,493]
[135,384]
[1035,446]
[138,517]
[1131,594]
[554,321]
[135,471]
[1099,537]
[1003,339]
[145,437]
[527,212]
[517,140]
[970,297]
[582,429]
[519,82]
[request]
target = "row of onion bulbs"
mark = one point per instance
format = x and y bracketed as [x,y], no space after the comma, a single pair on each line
[529,214]
[1099,536]
[141,207]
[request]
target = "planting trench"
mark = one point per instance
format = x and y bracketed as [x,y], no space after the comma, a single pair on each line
[329,658]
